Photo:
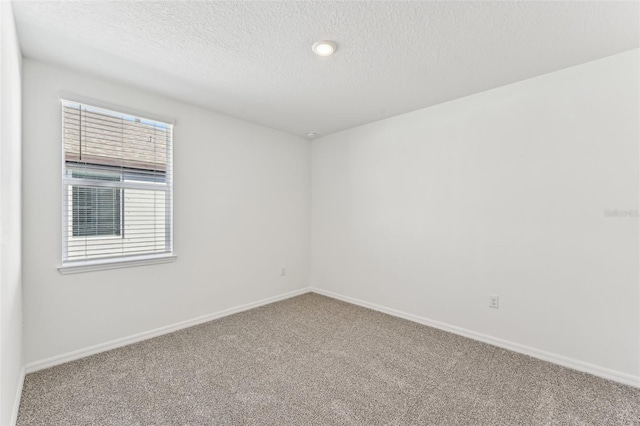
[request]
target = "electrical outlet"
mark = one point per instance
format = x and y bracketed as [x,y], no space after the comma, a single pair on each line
[494,301]
[283,271]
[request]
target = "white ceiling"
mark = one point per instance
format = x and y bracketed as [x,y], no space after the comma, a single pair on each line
[253,60]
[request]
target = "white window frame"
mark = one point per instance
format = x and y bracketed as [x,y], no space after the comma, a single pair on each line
[72,267]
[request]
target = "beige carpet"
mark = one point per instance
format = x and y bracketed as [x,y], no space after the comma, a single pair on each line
[312,360]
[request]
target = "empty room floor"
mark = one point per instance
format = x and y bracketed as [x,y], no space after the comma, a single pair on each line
[313,360]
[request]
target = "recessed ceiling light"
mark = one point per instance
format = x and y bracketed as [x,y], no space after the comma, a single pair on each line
[324,48]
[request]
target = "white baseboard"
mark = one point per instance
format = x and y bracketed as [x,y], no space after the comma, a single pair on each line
[617,376]
[18,397]
[102,347]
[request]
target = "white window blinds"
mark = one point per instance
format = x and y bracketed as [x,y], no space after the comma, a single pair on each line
[117,185]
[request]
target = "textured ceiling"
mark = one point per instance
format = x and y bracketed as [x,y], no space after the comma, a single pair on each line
[253,60]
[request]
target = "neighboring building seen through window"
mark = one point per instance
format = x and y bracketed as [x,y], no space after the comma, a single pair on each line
[97,211]
[117,200]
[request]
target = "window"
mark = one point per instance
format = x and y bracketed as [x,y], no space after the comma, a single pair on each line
[117,187]
[96,211]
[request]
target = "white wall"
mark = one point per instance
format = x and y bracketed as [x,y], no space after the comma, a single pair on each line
[241,212]
[11,358]
[503,192]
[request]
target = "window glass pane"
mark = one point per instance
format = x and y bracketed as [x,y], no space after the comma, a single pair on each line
[96,211]
[97,136]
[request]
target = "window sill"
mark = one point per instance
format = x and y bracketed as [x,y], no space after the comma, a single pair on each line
[102,264]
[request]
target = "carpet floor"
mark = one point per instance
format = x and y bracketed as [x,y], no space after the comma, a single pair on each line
[312,360]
